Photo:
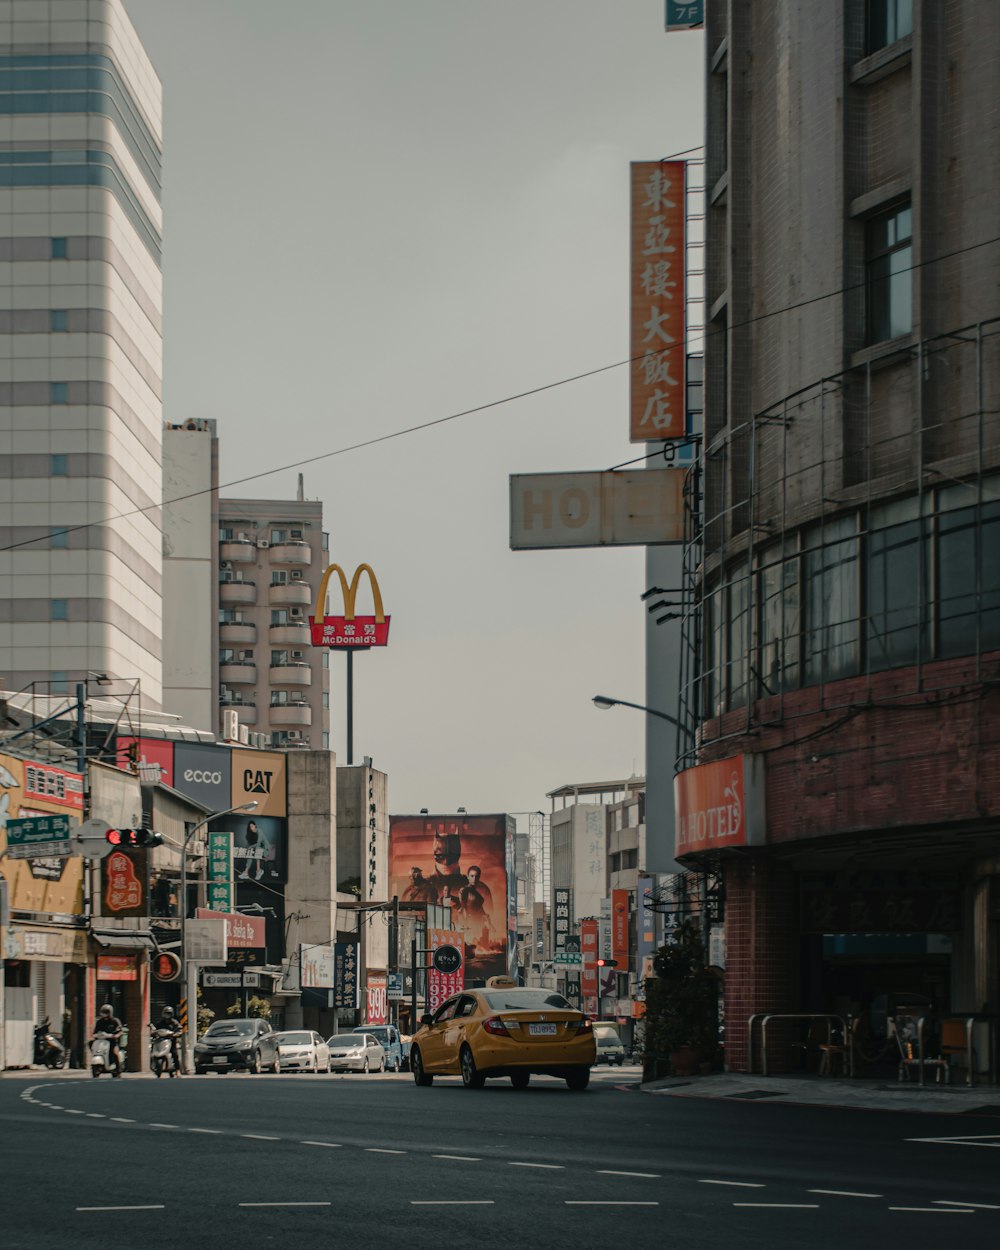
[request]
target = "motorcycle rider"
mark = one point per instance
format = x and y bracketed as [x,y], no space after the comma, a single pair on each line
[108,1022]
[169,1022]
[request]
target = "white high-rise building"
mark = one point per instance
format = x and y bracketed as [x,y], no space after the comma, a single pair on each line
[80,347]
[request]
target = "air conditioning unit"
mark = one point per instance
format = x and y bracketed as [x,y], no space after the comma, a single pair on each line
[226,564]
[297,655]
[243,537]
[296,575]
[244,735]
[294,735]
[230,725]
[296,612]
[263,542]
[296,534]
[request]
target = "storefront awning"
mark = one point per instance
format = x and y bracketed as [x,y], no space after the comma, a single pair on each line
[124,939]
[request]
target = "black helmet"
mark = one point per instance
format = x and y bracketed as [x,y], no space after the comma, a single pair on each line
[168,1011]
[106,1009]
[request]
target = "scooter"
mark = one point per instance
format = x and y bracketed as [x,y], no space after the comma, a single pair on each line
[100,1056]
[161,1055]
[49,1049]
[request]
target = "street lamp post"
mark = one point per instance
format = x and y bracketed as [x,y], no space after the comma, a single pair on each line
[604,703]
[190,974]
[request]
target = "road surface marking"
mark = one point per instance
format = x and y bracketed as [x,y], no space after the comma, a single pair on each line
[983,1139]
[788,1206]
[459,1158]
[377,1150]
[153,1206]
[70,1111]
[842,1193]
[552,1167]
[95,1115]
[452,1202]
[652,1176]
[331,1145]
[737,1184]
[204,1130]
[258,1137]
[163,1125]
[286,1204]
[587,1202]
[938,1210]
[980,1206]
[120,1119]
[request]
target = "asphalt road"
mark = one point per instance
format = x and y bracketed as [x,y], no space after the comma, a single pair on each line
[354,1161]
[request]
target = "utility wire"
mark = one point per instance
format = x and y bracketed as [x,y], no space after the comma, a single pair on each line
[496,403]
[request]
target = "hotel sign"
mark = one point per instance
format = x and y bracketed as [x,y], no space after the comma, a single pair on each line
[604,509]
[720,804]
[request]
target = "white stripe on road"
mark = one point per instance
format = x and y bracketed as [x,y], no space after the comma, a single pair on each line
[286,1204]
[204,1130]
[652,1176]
[459,1158]
[95,1115]
[120,1119]
[842,1193]
[551,1167]
[153,1206]
[979,1206]
[984,1139]
[785,1206]
[332,1145]
[736,1184]
[452,1202]
[937,1210]
[259,1137]
[377,1150]
[70,1111]
[586,1202]
[163,1126]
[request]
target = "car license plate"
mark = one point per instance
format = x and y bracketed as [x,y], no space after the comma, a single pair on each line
[220,1059]
[542,1030]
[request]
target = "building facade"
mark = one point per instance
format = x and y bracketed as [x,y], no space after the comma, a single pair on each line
[845,575]
[271,555]
[80,330]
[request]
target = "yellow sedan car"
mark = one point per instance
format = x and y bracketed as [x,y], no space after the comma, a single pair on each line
[504,1030]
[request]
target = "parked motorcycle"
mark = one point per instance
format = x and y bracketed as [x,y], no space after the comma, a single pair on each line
[100,1056]
[49,1048]
[161,1054]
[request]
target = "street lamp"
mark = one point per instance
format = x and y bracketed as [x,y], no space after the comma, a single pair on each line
[604,703]
[191,983]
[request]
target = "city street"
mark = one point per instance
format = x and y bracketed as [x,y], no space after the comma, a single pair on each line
[293,1160]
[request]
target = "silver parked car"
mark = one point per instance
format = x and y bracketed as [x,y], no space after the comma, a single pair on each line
[355,1052]
[301,1050]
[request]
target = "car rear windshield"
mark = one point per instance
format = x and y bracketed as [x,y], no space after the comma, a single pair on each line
[378,1034]
[231,1028]
[526,1000]
[606,1039]
[347,1039]
[295,1039]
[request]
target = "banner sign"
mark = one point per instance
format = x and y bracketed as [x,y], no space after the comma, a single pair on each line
[219,889]
[588,943]
[441,985]
[147,757]
[349,630]
[720,804]
[561,918]
[645,919]
[619,929]
[117,968]
[345,975]
[259,776]
[317,967]
[53,785]
[242,932]
[622,509]
[125,878]
[377,999]
[203,773]
[658,349]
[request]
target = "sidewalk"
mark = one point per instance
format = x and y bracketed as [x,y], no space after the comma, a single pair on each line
[833,1092]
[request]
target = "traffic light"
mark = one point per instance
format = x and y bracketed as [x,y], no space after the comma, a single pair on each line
[130,838]
[603,963]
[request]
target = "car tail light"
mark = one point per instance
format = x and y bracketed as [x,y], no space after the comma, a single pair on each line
[495,1026]
[583,1025]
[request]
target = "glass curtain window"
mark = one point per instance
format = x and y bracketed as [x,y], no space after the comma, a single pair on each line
[896,577]
[279,617]
[779,623]
[889,275]
[739,636]
[968,573]
[830,601]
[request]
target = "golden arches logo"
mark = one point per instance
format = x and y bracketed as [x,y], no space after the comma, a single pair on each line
[349,630]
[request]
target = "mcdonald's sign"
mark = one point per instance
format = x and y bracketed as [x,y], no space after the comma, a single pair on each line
[349,630]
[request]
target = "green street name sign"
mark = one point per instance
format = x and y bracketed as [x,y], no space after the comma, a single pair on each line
[35,837]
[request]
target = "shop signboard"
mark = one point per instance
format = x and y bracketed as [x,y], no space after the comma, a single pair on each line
[345,975]
[149,758]
[125,881]
[377,1001]
[619,928]
[242,932]
[117,968]
[316,962]
[219,886]
[441,984]
[204,773]
[720,804]
[588,945]
[259,776]
[645,918]
[50,884]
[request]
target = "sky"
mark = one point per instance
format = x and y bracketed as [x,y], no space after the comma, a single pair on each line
[381,213]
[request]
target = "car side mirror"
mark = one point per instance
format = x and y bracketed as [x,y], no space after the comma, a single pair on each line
[426,1019]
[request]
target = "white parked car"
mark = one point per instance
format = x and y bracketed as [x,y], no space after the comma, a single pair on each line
[355,1052]
[301,1050]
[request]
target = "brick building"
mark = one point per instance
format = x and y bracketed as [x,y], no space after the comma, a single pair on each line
[845,572]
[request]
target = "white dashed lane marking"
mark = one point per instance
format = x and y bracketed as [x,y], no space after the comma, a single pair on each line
[259,1137]
[784,1206]
[649,1176]
[979,1206]
[842,1193]
[205,1130]
[459,1158]
[330,1145]
[452,1202]
[735,1184]
[286,1204]
[937,1210]
[550,1167]
[153,1206]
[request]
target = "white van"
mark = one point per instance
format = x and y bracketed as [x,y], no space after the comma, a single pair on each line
[609,1044]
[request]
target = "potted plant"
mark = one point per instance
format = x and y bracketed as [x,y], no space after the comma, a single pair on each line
[682,1010]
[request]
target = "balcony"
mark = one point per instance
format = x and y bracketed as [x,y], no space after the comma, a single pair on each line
[292,552]
[291,594]
[238,673]
[297,673]
[292,634]
[247,711]
[239,550]
[232,594]
[234,632]
[290,714]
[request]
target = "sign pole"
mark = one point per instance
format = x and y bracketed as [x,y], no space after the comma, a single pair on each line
[350,706]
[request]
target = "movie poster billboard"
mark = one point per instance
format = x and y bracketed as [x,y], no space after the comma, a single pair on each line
[464,864]
[258,847]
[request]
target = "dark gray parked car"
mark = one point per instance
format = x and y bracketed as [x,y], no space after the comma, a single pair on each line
[247,1045]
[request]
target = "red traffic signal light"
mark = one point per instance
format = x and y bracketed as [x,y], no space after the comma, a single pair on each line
[127,838]
[602,963]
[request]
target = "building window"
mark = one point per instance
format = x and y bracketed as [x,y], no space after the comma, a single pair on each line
[59,610]
[889,274]
[229,616]
[778,606]
[58,393]
[279,616]
[968,573]
[59,465]
[279,658]
[279,698]
[326,741]
[227,655]
[830,601]
[888,20]
[279,577]
[58,320]
[326,698]
[896,580]
[326,659]
[58,249]
[279,536]
[59,683]
[59,539]
[225,535]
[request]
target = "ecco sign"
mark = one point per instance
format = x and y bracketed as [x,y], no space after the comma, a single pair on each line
[203,773]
